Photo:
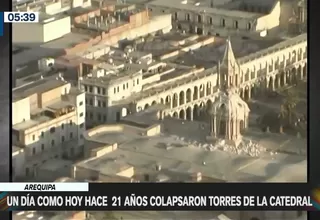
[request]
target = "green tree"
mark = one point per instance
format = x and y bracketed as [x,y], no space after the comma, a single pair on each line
[289,105]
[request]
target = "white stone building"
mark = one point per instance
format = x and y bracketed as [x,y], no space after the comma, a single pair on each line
[221,17]
[186,91]
[48,119]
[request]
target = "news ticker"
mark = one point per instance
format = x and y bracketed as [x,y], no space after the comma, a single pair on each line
[157,196]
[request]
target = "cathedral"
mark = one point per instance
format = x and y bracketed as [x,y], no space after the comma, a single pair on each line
[229,113]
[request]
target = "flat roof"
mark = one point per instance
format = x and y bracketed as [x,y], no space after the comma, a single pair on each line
[209,55]
[40,86]
[190,6]
[54,48]
[181,148]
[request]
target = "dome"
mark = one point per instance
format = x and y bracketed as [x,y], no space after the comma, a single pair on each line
[230,103]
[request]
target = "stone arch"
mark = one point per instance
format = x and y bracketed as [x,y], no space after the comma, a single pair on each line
[288,77]
[246,93]
[175,115]
[181,98]
[223,108]
[175,100]
[294,75]
[282,79]
[168,101]
[293,56]
[209,88]
[146,106]
[195,93]
[242,126]
[154,103]
[241,93]
[254,91]
[161,101]
[196,110]
[271,83]
[202,90]
[189,95]
[182,114]
[277,81]
[305,71]
[209,105]
[189,113]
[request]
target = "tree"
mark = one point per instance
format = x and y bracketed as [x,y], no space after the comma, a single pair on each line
[289,106]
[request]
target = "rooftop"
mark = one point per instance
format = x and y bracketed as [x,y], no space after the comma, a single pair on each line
[39,86]
[181,148]
[203,7]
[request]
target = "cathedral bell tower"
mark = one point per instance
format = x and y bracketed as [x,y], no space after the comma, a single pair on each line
[229,113]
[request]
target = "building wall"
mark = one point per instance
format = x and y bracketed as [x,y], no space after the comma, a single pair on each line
[18,164]
[155,24]
[27,33]
[61,27]
[271,20]
[20,111]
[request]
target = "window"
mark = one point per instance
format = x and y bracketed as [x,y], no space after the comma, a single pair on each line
[99,103]
[98,90]
[52,130]
[91,102]
[134,82]
[127,85]
[81,136]
[103,91]
[33,151]
[81,125]
[249,26]
[91,115]
[199,19]
[114,90]
[137,81]
[81,114]
[62,139]
[80,103]
[124,86]
[33,137]
[90,89]
[104,104]
[85,88]
[235,24]
[118,89]
[188,17]
[210,20]
[42,147]
[70,122]
[223,22]
[99,117]
[176,16]
[104,117]
[42,134]
[71,135]
[52,143]
[62,126]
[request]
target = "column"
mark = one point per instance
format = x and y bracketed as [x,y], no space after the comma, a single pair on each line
[215,126]
[211,125]
[249,93]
